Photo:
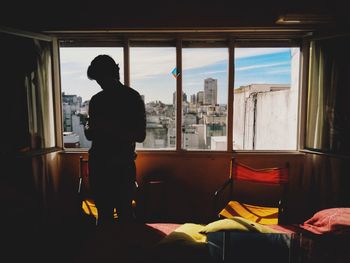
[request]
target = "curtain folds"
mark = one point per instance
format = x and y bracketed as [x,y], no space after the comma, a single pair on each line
[328,110]
[39,89]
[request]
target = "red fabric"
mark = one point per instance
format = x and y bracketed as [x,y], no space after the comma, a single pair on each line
[166,228]
[85,169]
[331,220]
[269,176]
[286,229]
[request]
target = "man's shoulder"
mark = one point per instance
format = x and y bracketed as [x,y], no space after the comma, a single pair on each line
[132,92]
[96,96]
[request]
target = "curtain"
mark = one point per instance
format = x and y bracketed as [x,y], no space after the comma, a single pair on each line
[27,109]
[39,88]
[328,110]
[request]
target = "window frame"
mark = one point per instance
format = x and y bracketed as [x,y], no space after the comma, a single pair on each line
[199,39]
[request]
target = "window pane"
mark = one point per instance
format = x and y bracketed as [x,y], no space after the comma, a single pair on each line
[265,98]
[77,89]
[151,75]
[204,103]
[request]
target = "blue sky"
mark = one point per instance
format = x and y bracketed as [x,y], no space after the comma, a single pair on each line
[151,69]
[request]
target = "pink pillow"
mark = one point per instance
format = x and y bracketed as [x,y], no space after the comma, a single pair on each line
[331,220]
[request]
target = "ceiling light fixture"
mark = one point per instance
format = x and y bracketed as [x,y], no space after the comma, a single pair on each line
[291,19]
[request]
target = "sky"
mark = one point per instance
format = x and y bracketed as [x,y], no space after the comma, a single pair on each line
[150,69]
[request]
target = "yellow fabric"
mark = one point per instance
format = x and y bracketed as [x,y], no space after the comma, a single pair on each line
[90,209]
[236,223]
[184,244]
[186,234]
[192,230]
[259,214]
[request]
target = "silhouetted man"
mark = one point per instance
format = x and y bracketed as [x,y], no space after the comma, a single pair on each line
[116,122]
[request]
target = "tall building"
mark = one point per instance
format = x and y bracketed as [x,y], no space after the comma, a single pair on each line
[200,96]
[193,99]
[210,91]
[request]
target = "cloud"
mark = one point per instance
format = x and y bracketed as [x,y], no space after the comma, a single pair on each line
[145,62]
[148,63]
[279,71]
[213,72]
[262,66]
[69,72]
[84,55]
[251,52]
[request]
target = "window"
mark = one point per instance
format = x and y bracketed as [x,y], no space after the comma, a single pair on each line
[263,114]
[151,75]
[265,99]
[204,98]
[77,89]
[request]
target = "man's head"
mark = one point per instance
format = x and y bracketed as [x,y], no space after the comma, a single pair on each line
[103,67]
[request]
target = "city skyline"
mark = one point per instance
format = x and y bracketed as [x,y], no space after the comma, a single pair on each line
[150,69]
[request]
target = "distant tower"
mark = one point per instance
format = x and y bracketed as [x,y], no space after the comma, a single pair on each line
[210,91]
[200,96]
[184,97]
[193,99]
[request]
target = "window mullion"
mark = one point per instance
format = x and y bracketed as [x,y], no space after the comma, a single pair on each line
[127,63]
[231,78]
[178,95]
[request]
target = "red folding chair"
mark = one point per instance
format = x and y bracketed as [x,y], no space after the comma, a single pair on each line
[255,194]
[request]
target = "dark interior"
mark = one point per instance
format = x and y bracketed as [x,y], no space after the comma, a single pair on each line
[38,188]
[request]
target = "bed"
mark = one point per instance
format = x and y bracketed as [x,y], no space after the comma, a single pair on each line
[323,238]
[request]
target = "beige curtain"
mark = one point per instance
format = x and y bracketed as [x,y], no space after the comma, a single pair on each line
[328,110]
[39,87]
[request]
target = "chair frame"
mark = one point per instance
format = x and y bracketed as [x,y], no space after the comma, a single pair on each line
[80,191]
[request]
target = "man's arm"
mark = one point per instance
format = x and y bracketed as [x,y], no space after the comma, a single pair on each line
[90,127]
[140,121]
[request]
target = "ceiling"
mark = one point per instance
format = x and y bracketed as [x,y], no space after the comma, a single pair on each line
[177,14]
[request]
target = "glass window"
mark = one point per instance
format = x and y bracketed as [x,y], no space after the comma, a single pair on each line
[77,89]
[204,98]
[266,98]
[151,75]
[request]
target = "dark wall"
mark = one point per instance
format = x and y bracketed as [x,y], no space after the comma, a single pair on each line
[190,180]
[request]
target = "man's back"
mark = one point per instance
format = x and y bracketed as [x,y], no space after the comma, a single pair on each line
[117,121]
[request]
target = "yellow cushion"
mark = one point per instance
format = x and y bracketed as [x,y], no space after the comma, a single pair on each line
[192,230]
[259,214]
[186,234]
[238,224]
[184,244]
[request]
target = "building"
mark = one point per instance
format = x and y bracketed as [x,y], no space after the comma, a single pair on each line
[193,99]
[259,117]
[210,91]
[200,97]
